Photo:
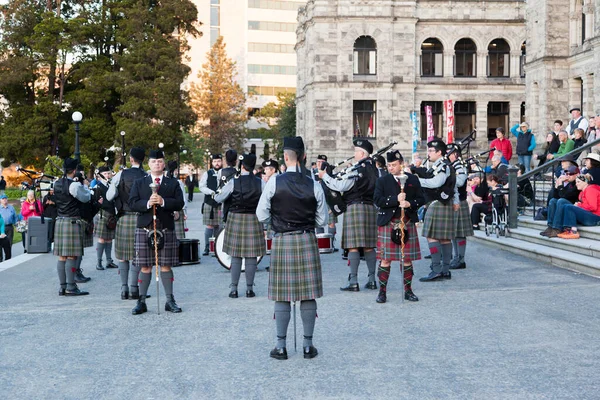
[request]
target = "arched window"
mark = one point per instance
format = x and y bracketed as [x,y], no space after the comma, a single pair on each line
[523,59]
[365,56]
[498,59]
[465,58]
[432,58]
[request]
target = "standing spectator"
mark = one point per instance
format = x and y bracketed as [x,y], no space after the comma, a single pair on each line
[550,147]
[577,121]
[2,185]
[9,215]
[191,183]
[50,212]
[30,208]
[502,144]
[525,144]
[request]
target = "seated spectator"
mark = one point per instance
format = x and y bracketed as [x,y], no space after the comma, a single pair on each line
[502,144]
[498,168]
[485,206]
[585,212]
[592,167]
[550,147]
[477,191]
[524,189]
[566,145]
[525,144]
[578,138]
[565,191]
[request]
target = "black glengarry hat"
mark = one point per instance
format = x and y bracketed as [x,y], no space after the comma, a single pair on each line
[322,157]
[70,164]
[156,154]
[216,156]
[363,144]
[103,168]
[138,153]
[248,161]
[451,148]
[437,144]
[394,155]
[270,163]
[294,143]
[231,156]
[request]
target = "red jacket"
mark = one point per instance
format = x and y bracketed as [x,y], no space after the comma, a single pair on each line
[26,212]
[504,145]
[590,199]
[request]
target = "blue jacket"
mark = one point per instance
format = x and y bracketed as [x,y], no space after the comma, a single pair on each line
[516,131]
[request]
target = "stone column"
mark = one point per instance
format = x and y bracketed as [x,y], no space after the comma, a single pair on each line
[448,63]
[482,64]
[515,57]
[574,92]
[481,124]
[587,108]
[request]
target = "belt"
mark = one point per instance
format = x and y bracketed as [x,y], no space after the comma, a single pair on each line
[302,232]
[8,225]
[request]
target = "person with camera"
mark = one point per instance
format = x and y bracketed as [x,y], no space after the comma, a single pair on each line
[104,229]
[390,200]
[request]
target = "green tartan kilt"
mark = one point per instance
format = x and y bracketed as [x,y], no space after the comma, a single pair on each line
[100,229]
[295,272]
[244,236]
[180,227]
[88,235]
[439,221]
[125,237]
[462,218]
[359,226]
[68,237]
[211,216]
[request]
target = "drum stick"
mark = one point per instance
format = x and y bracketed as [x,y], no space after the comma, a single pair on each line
[295,337]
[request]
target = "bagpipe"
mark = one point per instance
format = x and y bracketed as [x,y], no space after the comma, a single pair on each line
[335,199]
[235,175]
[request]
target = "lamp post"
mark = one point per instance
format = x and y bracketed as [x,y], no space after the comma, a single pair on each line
[207,152]
[123,151]
[77,117]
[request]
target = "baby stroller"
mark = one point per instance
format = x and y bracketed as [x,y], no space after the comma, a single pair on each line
[497,221]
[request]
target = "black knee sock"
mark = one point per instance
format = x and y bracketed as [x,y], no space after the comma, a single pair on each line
[124,272]
[371,260]
[100,251]
[436,256]
[236,271]
[354,259]
[62,275]
[108,252]
[251,266]
[282,320]
[446,257]
[144,283]
[308,312]
[167,281]
[70,268]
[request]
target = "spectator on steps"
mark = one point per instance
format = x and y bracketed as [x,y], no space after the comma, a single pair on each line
[498,168]
[502,144]
[578,138]
[592,167]
[565,191]
[566,145]
[525,144]
[551,147]
[585,212]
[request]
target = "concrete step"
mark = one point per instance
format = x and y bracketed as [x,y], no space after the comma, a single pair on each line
[583,246]
[567,259]
[587,232]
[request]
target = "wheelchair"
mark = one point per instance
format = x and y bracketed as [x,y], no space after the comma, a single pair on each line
[497,222]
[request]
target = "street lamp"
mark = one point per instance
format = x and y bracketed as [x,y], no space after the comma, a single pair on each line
[123,152]
[184,151]
[77,117]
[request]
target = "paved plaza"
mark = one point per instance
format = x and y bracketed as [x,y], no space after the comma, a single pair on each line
[507,327]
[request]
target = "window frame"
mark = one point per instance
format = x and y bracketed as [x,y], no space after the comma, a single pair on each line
[362,114]
[432,55]
[363,58]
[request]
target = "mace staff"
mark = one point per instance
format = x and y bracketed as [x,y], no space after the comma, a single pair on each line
[154,188]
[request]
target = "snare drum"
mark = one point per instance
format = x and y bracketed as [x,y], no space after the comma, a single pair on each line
[188,251]
[268,243]
[224,258]
[325,242]
[211,246]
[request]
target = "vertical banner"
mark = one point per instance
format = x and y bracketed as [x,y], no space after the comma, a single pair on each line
[430,129]
[415,133]
[449,106]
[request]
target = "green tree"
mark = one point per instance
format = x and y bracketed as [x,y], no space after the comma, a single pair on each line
[280,116]
[219,101]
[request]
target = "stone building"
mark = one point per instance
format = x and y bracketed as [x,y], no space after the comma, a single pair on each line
[363,66]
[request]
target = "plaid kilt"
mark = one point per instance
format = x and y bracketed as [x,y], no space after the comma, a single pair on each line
[388,250]
[88,236]
[462,220]
[144,255]
[100,229]
[180,227]
[295,272]
[125,237]
[244,236]
[332,218]
[359,226]
[439,221]
[216,217]
[68,237]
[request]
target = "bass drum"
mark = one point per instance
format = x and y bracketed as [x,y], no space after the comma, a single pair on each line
[224,258]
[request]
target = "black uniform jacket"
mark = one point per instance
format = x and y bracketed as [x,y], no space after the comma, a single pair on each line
[386,194]
[169,190]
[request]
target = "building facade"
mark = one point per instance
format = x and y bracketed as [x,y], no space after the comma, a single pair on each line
[363,66]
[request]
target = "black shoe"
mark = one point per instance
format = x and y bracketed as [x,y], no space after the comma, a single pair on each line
[335,249]
[61,291]
[310,352]
[279,354]
[99,267]
[410,296]
[381,297]
[111,265]
[233,294]
[428,256]
[462,265]
[171,306]
[267,268]
[250,293]
[134,294]
[125,293]
[371,285]
[431,277]
[139,308]
[205,253]
[80,278]
[75,292]
[351,287]
[447,275]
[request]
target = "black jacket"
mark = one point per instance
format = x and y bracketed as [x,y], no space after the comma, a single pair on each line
[568,192]
[386,194]
[169,190]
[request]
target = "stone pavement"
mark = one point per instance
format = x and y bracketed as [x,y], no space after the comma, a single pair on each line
[505,328]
